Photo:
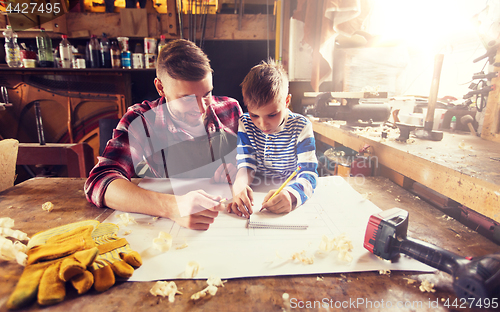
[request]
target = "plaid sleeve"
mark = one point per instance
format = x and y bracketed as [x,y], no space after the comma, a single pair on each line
[116,161]
[227,111]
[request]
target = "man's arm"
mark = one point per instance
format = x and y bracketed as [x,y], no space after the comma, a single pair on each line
[124,195]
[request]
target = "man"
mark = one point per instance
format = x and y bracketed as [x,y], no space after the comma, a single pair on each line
[181,134]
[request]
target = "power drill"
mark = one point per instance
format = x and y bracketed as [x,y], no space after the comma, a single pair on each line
[477,278]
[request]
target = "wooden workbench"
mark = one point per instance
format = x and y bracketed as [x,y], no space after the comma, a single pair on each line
[23,203]
[462,167]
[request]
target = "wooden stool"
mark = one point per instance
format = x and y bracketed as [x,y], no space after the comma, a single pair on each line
[8,156]
[78,157]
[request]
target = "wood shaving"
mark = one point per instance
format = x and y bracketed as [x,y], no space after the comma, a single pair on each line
[302,257]
[165,289]
[16,234]
[366,195]
[127,232]
[426,286]
[213,283]
[397,199]
[320,278]
[447,218]
[126,219]
[212,290]
[12,250]
[192,269]
[384,272]
[410,280]
[48,206]
[182,246]
[163,242]
[462,145]
[341,243]
[7,222]
[286,302]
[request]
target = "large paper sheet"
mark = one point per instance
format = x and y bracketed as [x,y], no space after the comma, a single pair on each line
[228,249]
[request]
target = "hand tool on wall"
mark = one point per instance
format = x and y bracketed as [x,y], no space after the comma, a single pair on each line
[39,124]
[386,237]
[427,133]
[5,98]
[467,120]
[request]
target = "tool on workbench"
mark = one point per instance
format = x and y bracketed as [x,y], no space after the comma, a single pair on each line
[427,133]
[477,278]
[467,120]
[404,130]
[352,107]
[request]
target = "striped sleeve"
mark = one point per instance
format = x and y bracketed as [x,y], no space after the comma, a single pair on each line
[305,183]
[246,154]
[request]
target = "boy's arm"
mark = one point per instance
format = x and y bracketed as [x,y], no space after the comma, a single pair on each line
[242,193]
[305,183]
[244,178]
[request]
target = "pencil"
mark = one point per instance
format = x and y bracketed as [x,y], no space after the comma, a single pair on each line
[285,183]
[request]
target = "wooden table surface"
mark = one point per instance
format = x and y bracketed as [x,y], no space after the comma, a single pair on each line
[462,167]
[23,203]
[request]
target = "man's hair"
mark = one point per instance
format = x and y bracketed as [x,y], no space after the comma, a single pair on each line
[264,83]
[182,60]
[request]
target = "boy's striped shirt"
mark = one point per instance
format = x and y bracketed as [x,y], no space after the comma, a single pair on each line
[279,154]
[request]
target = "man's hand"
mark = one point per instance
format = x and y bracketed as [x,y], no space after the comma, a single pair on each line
[242,203]
[281,203]
[221,176]
[200,210]
[197,221]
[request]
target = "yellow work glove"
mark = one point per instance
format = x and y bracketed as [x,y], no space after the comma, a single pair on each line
[56,256]
[115,257]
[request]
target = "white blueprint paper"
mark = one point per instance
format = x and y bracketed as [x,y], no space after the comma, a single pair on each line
[228,249]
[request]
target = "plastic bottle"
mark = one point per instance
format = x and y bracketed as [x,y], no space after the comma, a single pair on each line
[12,51]
[66,52]
[453,123]
[161,44]
[87,55]
[126,57]
[45,54]
[115,55]
[105,52]
[94,52]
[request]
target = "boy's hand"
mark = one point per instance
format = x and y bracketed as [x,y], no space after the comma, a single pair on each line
[281,203]
[242,203]
[221,176]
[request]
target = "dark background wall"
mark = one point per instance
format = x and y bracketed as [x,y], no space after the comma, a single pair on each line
[230,60]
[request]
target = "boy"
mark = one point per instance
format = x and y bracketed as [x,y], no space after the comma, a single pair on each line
[272,141]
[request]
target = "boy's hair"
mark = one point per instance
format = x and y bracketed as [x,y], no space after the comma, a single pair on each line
[264,83]
[182,60]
